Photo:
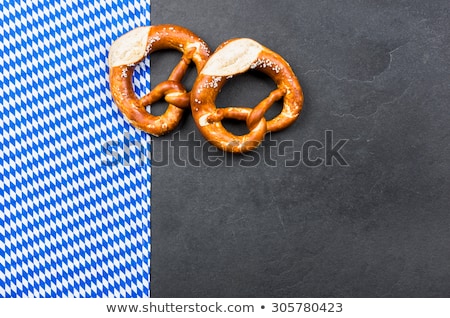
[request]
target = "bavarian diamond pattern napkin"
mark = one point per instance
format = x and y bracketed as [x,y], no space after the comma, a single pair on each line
[74,205]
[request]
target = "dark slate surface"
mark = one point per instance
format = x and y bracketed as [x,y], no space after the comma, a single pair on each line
[376,73]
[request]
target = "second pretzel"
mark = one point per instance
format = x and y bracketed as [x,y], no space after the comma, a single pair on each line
[231,58]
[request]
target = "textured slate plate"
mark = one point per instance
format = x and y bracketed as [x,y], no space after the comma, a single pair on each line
[374,73]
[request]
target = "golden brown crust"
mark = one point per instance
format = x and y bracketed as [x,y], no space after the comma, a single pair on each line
[207,86]
[159,37]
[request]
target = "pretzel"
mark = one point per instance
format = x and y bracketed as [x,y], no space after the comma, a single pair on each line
[231,58]
[132,48]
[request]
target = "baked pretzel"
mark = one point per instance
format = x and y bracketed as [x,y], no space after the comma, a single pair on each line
[234,57]
[132,48]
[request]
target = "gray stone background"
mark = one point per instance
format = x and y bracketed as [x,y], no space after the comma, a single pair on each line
[376,73]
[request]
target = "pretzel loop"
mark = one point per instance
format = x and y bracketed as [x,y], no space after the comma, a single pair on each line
[227,141]
[131,49]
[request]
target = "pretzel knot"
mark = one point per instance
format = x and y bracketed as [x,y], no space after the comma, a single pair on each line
[132,48]
[231,58]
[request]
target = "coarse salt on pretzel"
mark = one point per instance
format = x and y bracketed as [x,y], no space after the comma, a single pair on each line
[132,48]
[234,57]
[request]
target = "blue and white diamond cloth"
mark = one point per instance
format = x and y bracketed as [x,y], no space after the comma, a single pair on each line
[74,209]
